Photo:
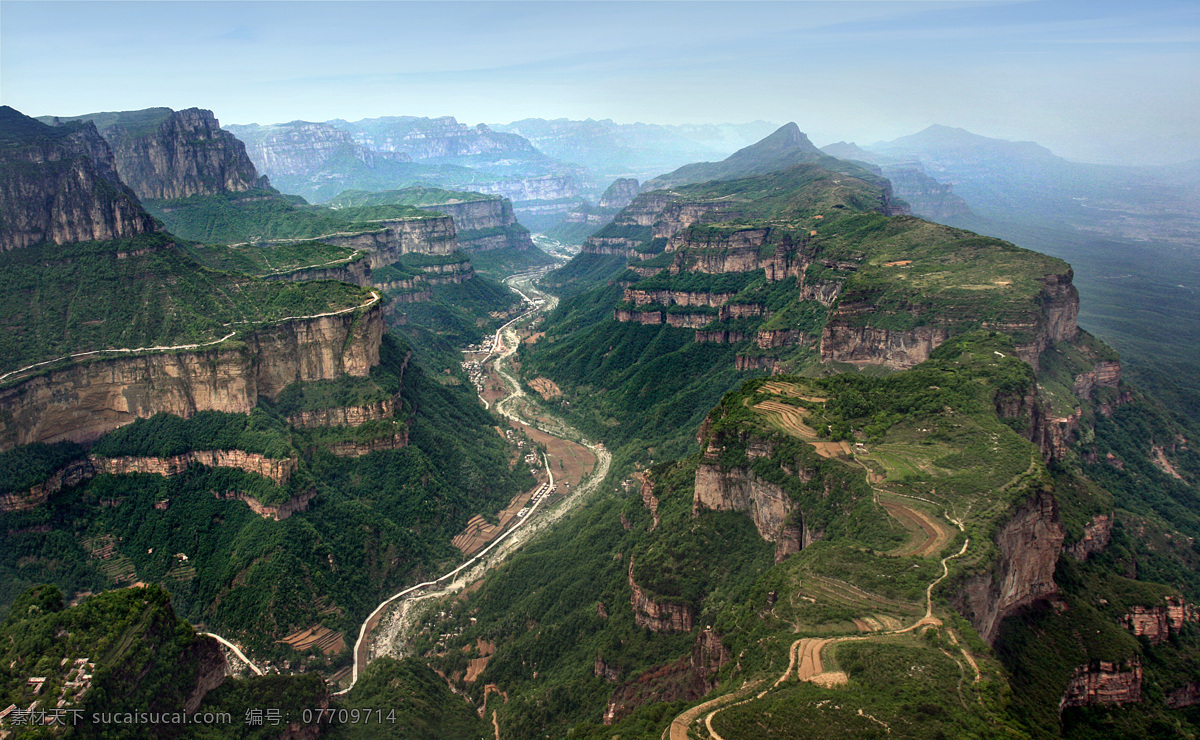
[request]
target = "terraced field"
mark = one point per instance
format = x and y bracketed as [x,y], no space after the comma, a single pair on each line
[792,420]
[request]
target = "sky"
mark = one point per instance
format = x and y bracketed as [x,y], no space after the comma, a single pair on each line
[1095,81]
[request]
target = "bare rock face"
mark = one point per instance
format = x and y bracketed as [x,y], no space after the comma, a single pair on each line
[60,184]
[277,512]
[1157,623]
[542,187]
[278,470]
[648,498]
[186,154]
[1184,696]
[775,516]
[435,236]
[205,653]
[865,346]
[344,416]
[654,616]
[83,401]
[1096,537]
[847,337]
[477,222]
[687,679]
[73,474]
[1103,682]
[1029,546]
[358,449]
[1104,374]
[620,194]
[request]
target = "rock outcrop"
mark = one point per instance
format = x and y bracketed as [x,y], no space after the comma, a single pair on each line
[82,401]
[1157,623]
[186,153]
[865,346]
[72,474]
[60,184]
[277,512]
[1103,682]
[620,194]
[358,449]
[1184,696]
[392,238]
[344,416]
[278,470]
[484,224]
[649,500]
[848,337]
[773,512]
[654,616]
[687,679]
[79,471]
[1029,546]
[208,658]
[1096,537]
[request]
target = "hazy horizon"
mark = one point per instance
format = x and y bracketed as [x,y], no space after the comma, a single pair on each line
[1093,82]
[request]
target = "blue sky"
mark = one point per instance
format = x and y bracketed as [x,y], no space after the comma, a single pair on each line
[1094,81]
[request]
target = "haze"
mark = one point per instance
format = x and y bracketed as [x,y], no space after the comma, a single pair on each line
[1110,82]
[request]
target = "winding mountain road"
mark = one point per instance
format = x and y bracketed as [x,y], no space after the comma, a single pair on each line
[504,346]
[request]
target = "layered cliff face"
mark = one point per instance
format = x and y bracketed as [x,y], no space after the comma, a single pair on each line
[1028,548]
[1104,682]
[392,238]
[1047,316]
[656,616]
[528,190]
[620,194]
[301,148]
[60,184]
[774,514]
[82,401]
[1157,623]
[485,224]
[435,138]
[686,679]
[163,154]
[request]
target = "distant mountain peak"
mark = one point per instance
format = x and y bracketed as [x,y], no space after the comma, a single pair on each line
[786,139]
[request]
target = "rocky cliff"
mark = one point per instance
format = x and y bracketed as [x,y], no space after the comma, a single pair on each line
[687,679]
[620,194]
[389,239]
[84,400]
[652,615]
[1049,317]
[1028,548]
[79,471]
[208,658]
[775,516]
[344,416]
[1157,623]
[1103,682]
[1096,537]
[183,153]
[540,188]
[301,148]
[60,184]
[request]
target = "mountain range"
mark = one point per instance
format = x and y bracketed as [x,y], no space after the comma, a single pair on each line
[856,473]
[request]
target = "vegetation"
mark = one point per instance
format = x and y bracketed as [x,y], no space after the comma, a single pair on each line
[261,260]
[257,215]
[377,522]
[139,292]
[142,658]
